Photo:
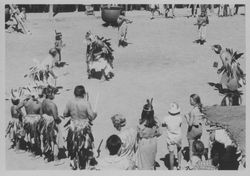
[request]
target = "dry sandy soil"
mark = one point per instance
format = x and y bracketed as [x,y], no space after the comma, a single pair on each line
[161,62]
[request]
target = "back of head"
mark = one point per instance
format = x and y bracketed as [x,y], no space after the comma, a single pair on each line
[198,148]
[79,91]
[228,160]
[118,121]
[49,92]
[113,144]
[147,114]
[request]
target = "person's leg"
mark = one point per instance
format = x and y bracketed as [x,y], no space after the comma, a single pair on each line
[179,156]
[57,145]
[171,160]
[190,143]
[173,8]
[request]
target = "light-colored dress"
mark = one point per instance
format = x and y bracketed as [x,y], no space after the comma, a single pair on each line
[196,130]
[129,143]
[147,147]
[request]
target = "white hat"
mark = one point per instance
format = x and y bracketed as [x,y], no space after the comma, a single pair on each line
[174,109]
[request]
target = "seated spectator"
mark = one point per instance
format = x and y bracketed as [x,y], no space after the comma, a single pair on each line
[114,161]
[198,150]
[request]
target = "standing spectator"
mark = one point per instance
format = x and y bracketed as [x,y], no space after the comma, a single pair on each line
[220,10]
[114,161]
[225,10]
[127,135]
[168,7]
[202,22]
[153,9]
[173,122]
[194,121]
[194,8]
[148,130]
[231,9]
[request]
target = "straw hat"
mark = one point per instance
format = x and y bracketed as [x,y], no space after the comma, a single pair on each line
[174,109]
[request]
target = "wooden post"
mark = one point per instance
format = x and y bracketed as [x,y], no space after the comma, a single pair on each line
[50,11]
[77,8]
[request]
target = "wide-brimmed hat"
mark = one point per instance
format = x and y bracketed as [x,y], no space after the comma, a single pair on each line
[118,120]
[174,109]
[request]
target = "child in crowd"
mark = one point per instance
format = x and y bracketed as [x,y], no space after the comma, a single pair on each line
[173,122]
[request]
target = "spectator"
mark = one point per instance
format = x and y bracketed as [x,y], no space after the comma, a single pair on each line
[114,161]
[128,137]
[194,121]
[173,122]
[148,130]
[197,152]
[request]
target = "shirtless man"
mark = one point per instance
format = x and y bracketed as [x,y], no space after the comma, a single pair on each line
[32,108]
[49,112]
[80,111]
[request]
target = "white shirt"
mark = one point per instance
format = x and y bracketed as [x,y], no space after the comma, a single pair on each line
[173,126]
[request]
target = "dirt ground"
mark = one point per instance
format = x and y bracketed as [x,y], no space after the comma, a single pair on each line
[161,61]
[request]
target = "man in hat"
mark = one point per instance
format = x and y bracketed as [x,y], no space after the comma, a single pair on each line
[128,137]
[81,114]
[173,123]
[49,111]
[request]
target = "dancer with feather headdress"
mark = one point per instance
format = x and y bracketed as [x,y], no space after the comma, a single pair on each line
[43,72]
[14,128]
[232,76]
[99,57]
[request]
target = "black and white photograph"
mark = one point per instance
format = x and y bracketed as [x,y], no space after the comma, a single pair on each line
[126,86]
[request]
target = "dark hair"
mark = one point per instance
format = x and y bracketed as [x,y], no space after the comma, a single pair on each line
[113,144]
[217,151]
[198,148]
[49,92]
[79,91]
[148,117]
[229,159]
[197,100]
[148,114]
[15,102]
